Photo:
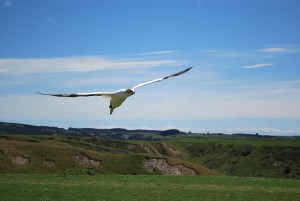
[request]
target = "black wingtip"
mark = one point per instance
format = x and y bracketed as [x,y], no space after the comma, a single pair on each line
[186,70]
[45,94]
[181,72]
[189,68]
[40,93]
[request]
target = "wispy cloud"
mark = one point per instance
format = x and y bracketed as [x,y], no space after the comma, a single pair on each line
[258,65]
[274,49]
[265,131]
[76,64]
[95,81]
[251,130]
[292,48]
[159,52]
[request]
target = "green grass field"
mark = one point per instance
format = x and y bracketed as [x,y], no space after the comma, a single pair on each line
[121,187]
[121,174]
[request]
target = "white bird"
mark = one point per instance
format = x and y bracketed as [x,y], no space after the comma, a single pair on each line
[118,97]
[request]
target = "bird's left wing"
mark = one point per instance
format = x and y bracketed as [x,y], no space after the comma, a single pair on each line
[80,94]
[163,78]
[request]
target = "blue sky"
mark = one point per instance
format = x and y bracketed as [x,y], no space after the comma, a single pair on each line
[246,58]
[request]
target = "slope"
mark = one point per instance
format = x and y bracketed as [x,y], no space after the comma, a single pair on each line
[85,155]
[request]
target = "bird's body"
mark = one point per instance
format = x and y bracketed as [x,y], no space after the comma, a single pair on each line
[118,97]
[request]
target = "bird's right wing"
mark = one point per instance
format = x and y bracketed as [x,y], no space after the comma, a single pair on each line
[80,94]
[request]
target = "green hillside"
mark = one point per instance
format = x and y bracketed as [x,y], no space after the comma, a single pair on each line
[87,155]
[141,152]
[94,155]
[254,158]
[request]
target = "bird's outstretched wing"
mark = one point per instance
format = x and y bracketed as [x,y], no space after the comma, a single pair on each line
[163,78]
[80,94]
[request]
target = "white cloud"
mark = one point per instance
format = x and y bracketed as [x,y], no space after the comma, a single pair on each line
[258,65]
[251,130]
[43,107]
[94,81]
[159,52]
[145,107]
[265,131]
[4,70]
[188,102]
[76,64]
[281,49]
[293,131]
[274,49]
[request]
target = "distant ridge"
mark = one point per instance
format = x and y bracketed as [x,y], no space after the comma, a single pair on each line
[26,129]
[122,133]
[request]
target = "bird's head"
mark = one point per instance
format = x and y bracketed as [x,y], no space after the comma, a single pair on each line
[130,92]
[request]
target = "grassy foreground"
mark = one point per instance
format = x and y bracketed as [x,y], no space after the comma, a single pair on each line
[118,187]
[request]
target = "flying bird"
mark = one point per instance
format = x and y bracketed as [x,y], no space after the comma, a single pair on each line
[118,97]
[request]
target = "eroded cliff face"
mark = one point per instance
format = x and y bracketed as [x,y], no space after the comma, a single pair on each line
[49,162]
[20,160]
[86,161]
[165,168]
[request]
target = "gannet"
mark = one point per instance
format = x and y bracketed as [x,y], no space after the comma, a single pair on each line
[118,97]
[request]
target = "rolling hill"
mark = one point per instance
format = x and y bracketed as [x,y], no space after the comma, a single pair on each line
[39,149]
[86,155]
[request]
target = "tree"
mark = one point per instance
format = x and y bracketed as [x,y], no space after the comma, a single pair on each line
[170,132]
